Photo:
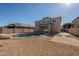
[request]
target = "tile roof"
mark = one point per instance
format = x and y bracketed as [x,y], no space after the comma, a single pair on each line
[20,24]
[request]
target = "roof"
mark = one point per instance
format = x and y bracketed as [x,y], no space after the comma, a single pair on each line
[75,19]
[46,18]
[49,18]
[20,24]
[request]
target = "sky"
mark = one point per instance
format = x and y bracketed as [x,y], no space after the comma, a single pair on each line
[28,13]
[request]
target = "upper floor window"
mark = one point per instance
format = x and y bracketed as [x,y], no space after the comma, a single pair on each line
[53,20]
[44,21]
[47,21]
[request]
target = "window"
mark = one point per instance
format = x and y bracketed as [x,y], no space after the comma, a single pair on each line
[47,21]
[53,20]
[44,21]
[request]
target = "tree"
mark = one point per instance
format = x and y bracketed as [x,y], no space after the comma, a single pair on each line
[67,25]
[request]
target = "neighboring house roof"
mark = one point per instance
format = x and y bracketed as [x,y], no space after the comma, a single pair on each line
[76,19]
[20,24]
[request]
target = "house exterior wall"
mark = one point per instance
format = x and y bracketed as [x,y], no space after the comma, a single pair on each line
[76,22]
[75,29]
[57,24]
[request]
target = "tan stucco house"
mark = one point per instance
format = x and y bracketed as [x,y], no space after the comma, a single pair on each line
[48,24]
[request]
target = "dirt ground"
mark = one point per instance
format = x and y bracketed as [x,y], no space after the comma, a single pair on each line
[36,46]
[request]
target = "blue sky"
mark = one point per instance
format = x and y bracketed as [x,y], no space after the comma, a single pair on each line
[28,13]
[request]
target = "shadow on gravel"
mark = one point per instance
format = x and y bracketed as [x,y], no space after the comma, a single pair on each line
[0,45]
[72,36]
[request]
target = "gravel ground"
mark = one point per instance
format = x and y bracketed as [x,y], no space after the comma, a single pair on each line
[36,46]
[66,38]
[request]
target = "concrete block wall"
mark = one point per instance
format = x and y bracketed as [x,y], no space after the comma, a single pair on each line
[6,30]
[74,31]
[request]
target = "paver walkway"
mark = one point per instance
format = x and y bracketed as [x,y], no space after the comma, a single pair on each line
[66,38]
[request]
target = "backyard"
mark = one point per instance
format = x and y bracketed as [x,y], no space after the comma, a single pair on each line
[37,46]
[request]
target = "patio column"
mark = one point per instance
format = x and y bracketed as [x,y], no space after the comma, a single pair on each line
[49,28]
